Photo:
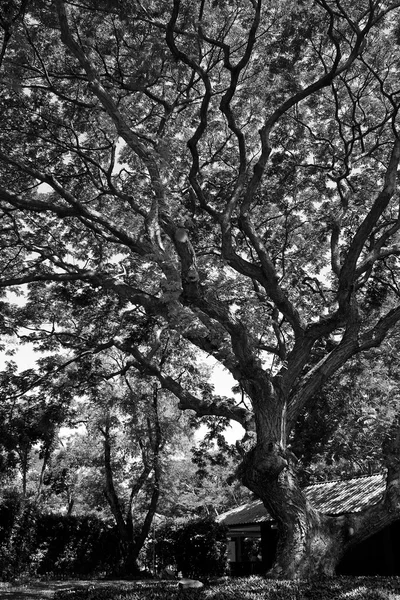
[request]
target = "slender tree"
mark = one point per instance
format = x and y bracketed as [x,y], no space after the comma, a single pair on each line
[218,176]
[150,442]
[119,457]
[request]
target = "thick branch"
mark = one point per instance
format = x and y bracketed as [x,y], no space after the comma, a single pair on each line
[325,80]
[326,367]
[218,406]
[89,216]
[202,125]
[351,344]
[347,273]
[375,336]
[122,127]
[270,280]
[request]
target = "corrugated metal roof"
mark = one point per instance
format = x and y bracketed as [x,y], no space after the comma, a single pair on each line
[353,495]
[332,497]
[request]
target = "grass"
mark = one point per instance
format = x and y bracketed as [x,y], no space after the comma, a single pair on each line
[250,588]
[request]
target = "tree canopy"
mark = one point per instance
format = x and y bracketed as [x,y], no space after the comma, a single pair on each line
[181,179]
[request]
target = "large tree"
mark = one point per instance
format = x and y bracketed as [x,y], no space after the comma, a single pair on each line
[218,176]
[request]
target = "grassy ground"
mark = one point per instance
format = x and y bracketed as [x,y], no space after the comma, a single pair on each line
[251,588]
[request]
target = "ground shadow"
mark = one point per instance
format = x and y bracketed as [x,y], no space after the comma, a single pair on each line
[38,590]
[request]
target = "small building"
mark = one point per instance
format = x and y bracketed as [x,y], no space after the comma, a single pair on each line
[252,533]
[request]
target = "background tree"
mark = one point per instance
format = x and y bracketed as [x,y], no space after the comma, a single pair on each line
[63,479]
[202,482]
[148,442]
[213,177]
[117,461]
[29,425]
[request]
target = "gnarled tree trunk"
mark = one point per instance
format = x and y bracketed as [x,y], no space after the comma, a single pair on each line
[310,543]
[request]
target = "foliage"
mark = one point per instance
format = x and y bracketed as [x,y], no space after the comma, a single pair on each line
[31,422]
[55,545]
[17,536]
[196,548]
[341,434]
[206,491]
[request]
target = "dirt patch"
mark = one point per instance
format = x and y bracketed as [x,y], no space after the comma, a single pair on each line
[41,590]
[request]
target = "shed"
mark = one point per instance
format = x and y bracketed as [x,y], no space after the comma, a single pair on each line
[252,534]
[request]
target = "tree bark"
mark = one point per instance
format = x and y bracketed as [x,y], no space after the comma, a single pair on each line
[306,546]
[310,543]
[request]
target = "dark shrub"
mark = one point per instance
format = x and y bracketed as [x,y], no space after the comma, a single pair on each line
[76,545]
[58,545]
[17,537]
[196,548]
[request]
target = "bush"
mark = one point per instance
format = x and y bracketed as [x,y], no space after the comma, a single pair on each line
[76,546]
[37,544]
[201,549]
[17,537]
[196,548]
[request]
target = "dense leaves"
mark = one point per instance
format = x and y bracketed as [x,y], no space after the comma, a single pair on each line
[342,433]
[35,544]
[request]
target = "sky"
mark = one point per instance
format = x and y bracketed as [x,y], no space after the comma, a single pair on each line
[223,383]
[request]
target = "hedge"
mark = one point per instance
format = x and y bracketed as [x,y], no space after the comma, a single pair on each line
[59,546]
[76,545]
[56,545]
[194,548]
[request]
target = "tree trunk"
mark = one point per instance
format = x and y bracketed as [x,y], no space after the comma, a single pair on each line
[110,493]
[125,527]
[311,544]
[23,455]
[70,505]
[46,458]
[148,521]
[132,544]
[156,439]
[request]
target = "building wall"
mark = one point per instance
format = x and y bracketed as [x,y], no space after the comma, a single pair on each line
[252,553]
[378,555]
